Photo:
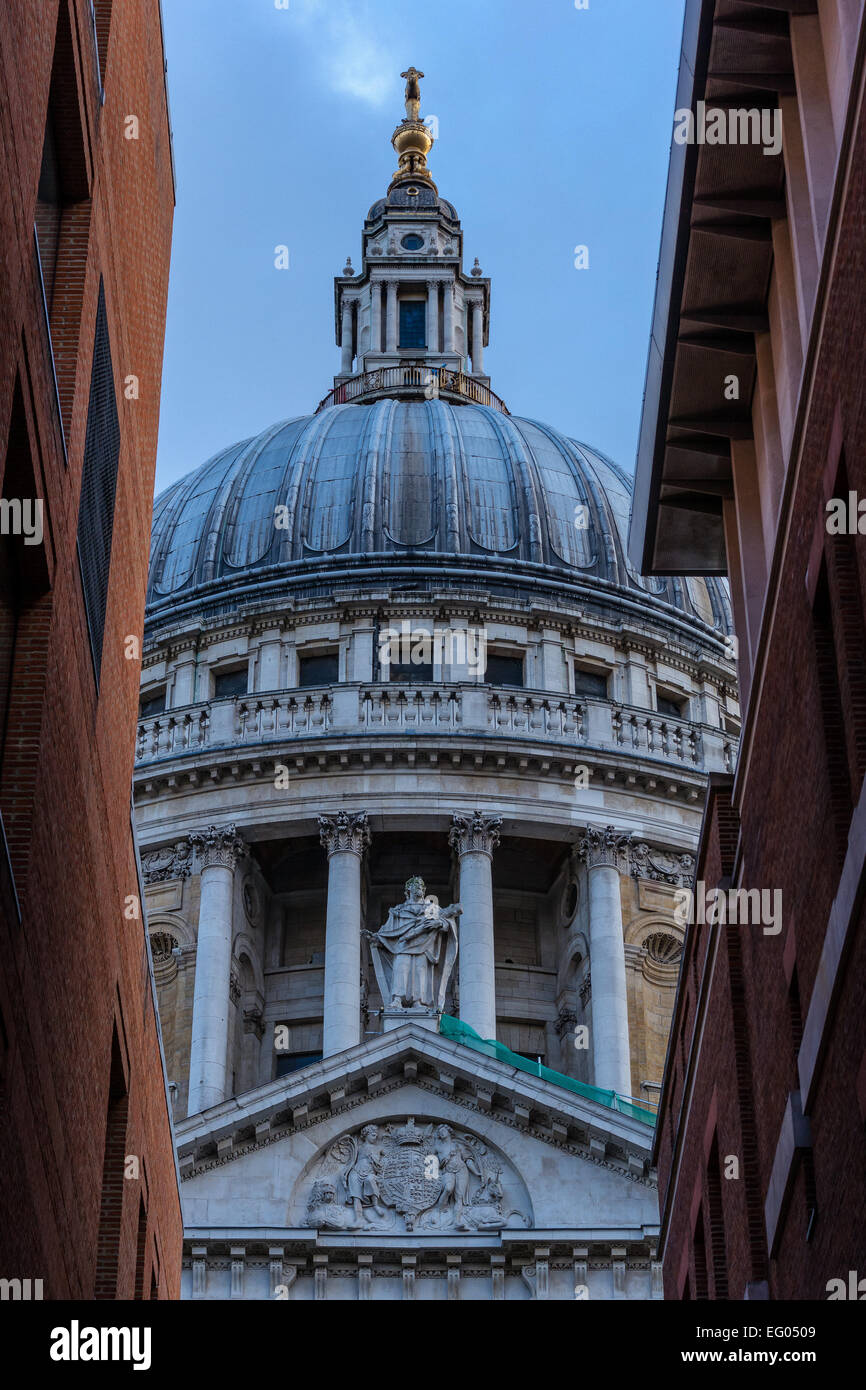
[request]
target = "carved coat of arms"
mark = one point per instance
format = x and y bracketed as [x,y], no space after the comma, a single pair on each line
[426,1177]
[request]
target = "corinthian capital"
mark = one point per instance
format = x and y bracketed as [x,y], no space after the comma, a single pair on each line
[603,847]
[219,846]
[475,834]
[347,830]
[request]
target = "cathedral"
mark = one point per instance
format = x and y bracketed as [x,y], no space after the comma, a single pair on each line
[420,768]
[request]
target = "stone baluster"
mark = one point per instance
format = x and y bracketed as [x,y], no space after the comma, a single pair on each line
[474,838]
[218,849]
[344,836]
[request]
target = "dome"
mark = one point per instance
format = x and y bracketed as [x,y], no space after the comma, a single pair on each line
[465,490]
[423,198]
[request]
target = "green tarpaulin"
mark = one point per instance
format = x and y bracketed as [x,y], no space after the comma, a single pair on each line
[462,1033]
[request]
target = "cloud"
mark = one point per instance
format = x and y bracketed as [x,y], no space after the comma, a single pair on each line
[353,60]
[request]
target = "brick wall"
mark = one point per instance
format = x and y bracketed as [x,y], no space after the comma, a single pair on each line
[75,968]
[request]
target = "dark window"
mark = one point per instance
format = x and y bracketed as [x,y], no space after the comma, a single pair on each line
[832,715]
[140,1248]
[293,1061]
[320,668]
[665,705]
[503,670]
[113,1181]
[228,683]
[152,704]
[412,242]
[410,671]
[413,322]
[102,25]
[98,484]
[589,683]
[49,205]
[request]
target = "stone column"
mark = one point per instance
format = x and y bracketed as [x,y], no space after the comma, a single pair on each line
[346,337]
[391,317]
[376,315]
[432,315]
[448,316]
[477,337]
[474,839]
[602,851]
[218,848]
[345,837]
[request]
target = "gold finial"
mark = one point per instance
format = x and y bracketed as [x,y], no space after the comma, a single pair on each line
[412,139]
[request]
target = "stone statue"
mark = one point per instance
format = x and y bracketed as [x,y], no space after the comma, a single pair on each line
[417,941]
[430,1177]
[413,93]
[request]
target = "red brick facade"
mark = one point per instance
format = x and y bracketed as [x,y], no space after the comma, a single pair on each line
[767,1058]
[88,1189]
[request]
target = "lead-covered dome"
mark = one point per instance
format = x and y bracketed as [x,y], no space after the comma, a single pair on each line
[359,491]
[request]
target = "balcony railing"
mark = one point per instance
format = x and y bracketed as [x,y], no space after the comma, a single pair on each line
[413,381]
[395,710]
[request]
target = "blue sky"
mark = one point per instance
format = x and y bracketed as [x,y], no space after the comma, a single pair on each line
[554,131]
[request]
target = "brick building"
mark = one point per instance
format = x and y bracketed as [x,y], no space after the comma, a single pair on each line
[88,1188]
[754,419]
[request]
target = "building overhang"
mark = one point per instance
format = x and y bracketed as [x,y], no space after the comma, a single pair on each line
[714,270]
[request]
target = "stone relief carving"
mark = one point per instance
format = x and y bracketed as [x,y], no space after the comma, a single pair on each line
[657,864]
[172,861]
[411,1176]
[414,951]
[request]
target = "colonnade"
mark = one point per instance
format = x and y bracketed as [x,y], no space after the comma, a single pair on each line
[345,837]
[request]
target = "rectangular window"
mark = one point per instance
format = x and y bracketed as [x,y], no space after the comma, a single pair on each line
[666,704]
[293,1061]
[229,683]
[413,323]
[411,672]
[589,683]
[504,669]
[98,484]
[151,704]
[318,668]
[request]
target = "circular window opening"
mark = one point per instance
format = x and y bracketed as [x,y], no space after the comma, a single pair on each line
[412,242]
[162,943]
[569,902]
[413,191]
[663,948]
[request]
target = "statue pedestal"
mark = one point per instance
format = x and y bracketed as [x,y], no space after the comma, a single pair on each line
[392,1018]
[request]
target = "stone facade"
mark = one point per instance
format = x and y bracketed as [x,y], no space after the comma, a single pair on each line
[298,773]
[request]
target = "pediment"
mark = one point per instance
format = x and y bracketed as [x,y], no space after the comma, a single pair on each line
[413,1072]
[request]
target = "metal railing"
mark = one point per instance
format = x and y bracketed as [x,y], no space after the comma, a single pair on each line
[416,379]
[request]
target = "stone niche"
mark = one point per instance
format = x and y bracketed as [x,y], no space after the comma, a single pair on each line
[410,1174]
